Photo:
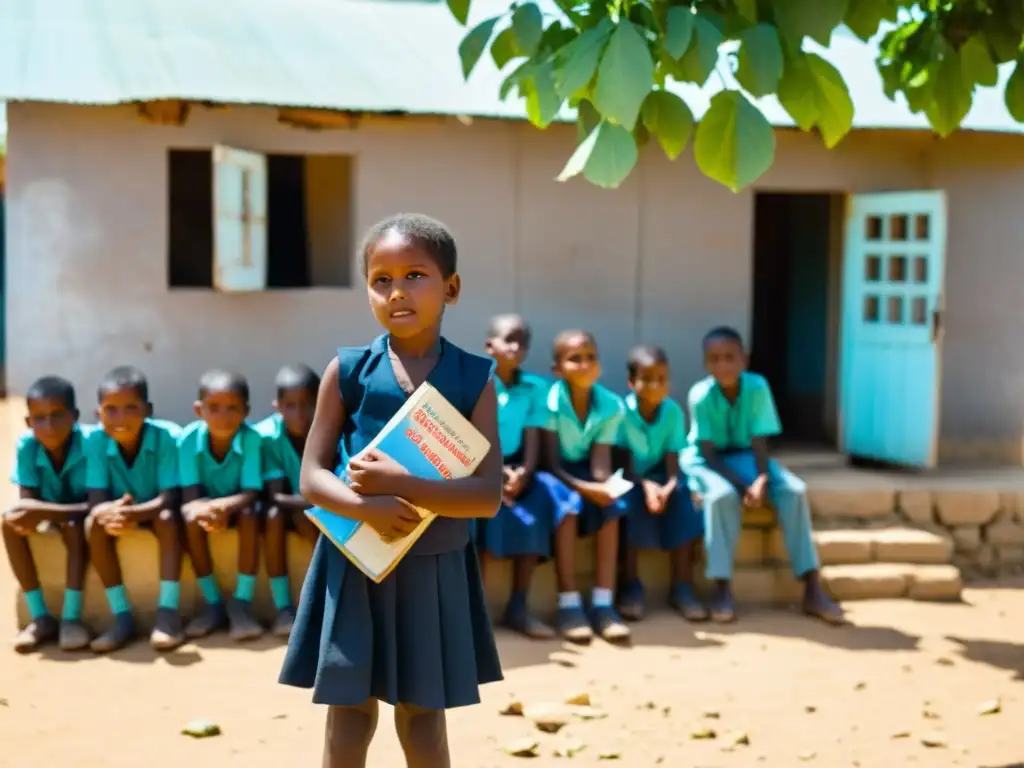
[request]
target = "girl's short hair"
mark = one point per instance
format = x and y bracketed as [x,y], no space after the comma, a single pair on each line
[429,234]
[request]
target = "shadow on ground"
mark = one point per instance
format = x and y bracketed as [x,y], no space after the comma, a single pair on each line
[995,653]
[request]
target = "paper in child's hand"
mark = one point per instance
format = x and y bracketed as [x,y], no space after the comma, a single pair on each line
[617,485]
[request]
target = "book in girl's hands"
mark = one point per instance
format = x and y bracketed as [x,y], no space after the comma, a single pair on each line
[432,440]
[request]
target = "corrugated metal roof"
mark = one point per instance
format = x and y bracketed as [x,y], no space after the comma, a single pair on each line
[359,55]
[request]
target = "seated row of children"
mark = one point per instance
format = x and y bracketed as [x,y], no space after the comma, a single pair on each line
[561,442]
[95,482]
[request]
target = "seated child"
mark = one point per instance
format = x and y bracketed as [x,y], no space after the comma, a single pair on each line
[283,440]
[661,514]
[732,415]
[221,477]
[49,471]
[132,478]
[523,526]
[583,425]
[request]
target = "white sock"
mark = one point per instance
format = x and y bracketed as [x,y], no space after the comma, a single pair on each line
[601,597]
[569,600]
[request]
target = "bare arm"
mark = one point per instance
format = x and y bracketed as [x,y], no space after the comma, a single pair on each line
[476,496]
[600,462]
[235,501]
[317,481]
[553,456]
[671,472]
[717,464]
[163,500]
[276,494]
[29,501]
[759,447]
[192,493]
[531,451]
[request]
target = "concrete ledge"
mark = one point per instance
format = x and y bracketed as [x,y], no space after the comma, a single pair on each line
[892,580]
[755,582]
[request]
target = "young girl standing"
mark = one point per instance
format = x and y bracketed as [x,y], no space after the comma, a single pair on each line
[421,639]
[532,500]
[583,425]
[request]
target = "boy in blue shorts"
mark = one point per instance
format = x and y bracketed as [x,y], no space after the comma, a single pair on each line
[661,514]
[49,471]
[283,435]
[583,426]
[732,415]
[132,477]
[221,477]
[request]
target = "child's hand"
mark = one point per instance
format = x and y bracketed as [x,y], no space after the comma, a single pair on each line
[515,479]
[652,498]
[375,474]
[697,499]
[393,518]
[756,492]
[215,519]
[599,494]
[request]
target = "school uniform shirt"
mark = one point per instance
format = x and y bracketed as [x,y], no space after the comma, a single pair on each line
[520,407]
[154,470]
[33,468]
[601,426]
[648,442]
[730,426]
[280,459]
[240,471]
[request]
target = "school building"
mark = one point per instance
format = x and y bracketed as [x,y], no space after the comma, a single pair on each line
[184,193]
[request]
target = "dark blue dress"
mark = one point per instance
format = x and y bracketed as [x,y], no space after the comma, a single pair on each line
[423,635]
[677,525]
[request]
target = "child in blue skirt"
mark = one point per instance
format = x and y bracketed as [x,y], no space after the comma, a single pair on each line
[420,639]
[732,415]
[532,499]
[583,425]
[661,514]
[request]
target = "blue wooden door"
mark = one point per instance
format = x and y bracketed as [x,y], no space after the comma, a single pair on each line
[894,266]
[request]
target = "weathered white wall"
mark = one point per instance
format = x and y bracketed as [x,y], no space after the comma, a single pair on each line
[659,260]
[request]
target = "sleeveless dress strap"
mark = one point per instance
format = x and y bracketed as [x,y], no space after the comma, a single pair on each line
[350,361]
[476,371]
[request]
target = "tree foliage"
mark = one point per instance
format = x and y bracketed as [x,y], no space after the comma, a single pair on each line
[614,62]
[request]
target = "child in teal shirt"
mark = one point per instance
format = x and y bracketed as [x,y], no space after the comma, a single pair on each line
[532,499]
[221,475]
[49,471]
[732,415]
[283,438]
[661,514]
[583,425]
[132,477]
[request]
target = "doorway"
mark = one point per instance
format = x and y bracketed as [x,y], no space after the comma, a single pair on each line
[797,268]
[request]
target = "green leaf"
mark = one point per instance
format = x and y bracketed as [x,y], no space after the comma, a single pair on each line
[605,157]
[814,18]
[460,10]
[951,95]
[542,100]
[1003,40]
[1014,95]
[624,77]
[863,17]
[747,9]
[514,78]
[670,120]
[678,30]
[813,93]
[760,60]
[473,44]
[587,119]
[701,57]
[504,48]
[576,63]
[528,25]
[734,144]
[977,63]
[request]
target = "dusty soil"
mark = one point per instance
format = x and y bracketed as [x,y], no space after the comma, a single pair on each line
[802,693]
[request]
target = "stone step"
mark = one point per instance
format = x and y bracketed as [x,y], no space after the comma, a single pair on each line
[878,581]
[883,545]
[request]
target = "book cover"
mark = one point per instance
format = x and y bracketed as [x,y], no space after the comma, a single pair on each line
[431,439]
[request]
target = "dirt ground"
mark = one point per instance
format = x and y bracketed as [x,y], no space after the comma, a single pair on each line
[864,695]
